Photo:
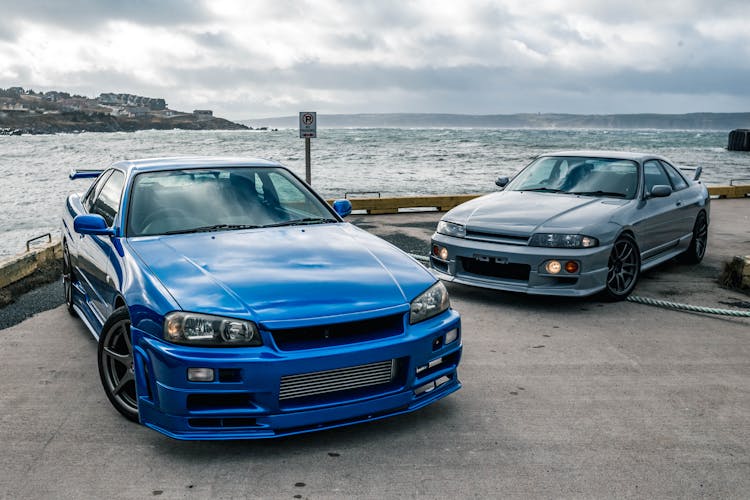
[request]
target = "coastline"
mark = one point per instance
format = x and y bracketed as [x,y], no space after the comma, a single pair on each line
[78,121]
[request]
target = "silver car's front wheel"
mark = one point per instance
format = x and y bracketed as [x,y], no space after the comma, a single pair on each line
[623,268]
[115,356]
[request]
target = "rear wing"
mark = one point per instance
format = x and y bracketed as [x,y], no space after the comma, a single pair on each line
[696,171]
[81,173]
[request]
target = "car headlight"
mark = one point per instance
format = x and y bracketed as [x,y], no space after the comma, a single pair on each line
[429,303]
[206,330]
[556,240]
[451,229]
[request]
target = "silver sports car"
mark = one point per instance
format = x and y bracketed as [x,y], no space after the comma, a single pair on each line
[575,223]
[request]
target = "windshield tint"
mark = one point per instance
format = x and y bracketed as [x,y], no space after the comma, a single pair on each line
[212,199]
[579,175]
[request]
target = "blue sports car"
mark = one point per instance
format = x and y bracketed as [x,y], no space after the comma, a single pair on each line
[230,301]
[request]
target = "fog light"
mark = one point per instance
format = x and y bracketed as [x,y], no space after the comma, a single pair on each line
[200,374]
[571,266]
[553,267]
[451,336]
[440,252]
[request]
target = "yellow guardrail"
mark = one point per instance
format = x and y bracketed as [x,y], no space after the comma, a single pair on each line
[730,191]
[443,203]
[391,205]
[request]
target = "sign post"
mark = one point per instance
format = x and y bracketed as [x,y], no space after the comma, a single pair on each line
[308,129]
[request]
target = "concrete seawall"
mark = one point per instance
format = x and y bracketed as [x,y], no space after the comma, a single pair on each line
[25,271]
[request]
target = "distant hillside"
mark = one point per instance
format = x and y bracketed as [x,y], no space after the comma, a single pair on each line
[28,112]
[689,121]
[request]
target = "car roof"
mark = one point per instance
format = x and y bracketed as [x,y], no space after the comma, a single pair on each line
[617,155]
[180,162]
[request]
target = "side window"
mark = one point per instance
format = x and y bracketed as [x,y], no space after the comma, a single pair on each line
[677,180]
[655,175]
[107,202]
[88,201]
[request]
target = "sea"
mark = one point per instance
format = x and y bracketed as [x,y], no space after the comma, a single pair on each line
[346,162]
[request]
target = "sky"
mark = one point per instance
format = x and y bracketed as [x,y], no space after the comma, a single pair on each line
[256,59]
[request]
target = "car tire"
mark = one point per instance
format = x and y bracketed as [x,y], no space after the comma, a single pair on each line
[697,248]
[623,269]
[116,365]
[68,277]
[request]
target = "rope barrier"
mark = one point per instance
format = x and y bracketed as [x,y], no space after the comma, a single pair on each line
[655,302]
[687,307]
[420,258]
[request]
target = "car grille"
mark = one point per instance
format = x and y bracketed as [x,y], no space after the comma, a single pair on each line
[341,379]
[508,239]
[311,337]
[493,269]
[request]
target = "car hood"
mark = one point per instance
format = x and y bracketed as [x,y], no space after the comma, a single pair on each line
[281,275]
[523,212]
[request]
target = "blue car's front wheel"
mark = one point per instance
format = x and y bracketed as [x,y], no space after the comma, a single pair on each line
[68,277]
[115,357]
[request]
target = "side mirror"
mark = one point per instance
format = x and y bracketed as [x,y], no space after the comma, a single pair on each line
[91,224]
[502,181]
[698,172]
[342,207]
[660,191]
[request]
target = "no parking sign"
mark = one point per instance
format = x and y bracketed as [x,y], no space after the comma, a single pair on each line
[308,125]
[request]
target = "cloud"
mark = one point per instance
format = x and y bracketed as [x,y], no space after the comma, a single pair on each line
[91,15]
[274,57]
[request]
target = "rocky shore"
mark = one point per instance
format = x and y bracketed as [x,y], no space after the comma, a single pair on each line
[78,121]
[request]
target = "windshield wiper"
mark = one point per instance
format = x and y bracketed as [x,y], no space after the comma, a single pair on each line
[301,222]
[543,190]
[215,227]
[599,193]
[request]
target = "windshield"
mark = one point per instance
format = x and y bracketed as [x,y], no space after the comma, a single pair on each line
[579,175]
[211,199]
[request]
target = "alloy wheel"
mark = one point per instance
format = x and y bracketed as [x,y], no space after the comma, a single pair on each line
[623,268]
[116,366]
[68,280]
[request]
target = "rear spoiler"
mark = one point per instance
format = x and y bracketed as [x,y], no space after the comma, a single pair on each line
[81,173]
[697,170]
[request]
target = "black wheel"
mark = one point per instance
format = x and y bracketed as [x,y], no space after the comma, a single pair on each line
[697,249]
[115,357]
[68,280]
[623,268]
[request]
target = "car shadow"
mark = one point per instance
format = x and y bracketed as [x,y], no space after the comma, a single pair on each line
[328,444]
[489,296]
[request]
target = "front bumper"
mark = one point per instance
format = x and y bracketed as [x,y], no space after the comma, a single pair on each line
[246,401]
[525,267]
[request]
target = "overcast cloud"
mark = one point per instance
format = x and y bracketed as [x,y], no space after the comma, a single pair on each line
[252,59]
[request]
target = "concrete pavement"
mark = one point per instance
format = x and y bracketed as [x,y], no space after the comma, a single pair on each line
[561,399]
